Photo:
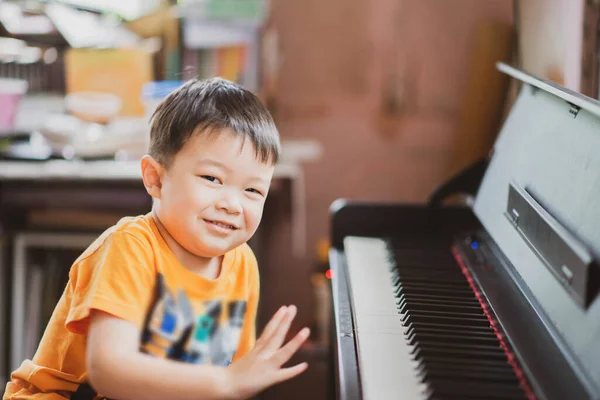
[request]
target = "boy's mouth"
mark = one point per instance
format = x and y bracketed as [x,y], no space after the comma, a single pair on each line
[222,224]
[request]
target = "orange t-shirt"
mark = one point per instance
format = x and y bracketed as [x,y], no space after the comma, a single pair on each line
[130,272]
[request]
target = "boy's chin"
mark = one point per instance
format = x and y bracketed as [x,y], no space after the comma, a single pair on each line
[211,250]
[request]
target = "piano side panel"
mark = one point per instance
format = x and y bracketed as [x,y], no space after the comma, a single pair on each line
[557,158]
[344,350]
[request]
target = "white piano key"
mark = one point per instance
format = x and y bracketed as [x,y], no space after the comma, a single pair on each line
[386,367]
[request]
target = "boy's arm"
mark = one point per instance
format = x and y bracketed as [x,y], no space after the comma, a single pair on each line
[117,369]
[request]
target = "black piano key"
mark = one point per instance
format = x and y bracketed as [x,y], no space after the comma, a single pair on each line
[414,336]
[495,349]
[454,331]
[503,371]
[437,299]
[463,286]
[458,353]
[450,314]
[411,299]
[407,274]
[443,268]
[452,293]
[454,280]
[457,318]
[475,390]
[449,361]
[447,321]
[441,299]
[469,374]
[464,329]
[440,338]
[425,306]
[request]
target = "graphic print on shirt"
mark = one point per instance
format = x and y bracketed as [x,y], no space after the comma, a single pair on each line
[173,330]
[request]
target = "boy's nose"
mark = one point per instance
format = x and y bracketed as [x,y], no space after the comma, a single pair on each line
[230,203]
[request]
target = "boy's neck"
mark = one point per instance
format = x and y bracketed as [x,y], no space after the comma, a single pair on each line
[209,268]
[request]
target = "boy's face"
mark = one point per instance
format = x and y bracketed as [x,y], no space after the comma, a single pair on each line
[212,195]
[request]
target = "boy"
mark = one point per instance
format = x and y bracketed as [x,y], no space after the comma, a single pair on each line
[159,304]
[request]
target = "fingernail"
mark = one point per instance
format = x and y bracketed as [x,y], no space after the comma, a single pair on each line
[305,332]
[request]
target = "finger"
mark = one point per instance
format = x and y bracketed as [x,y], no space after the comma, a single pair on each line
[286,352]
[275,341]
[272,326]
[291,372]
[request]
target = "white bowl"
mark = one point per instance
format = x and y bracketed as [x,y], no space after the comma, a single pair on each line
[93,106]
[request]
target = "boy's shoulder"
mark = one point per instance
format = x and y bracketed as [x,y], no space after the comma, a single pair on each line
[246,254]
[246,261]
[132,228]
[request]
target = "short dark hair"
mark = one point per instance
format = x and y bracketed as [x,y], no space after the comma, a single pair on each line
[212,105]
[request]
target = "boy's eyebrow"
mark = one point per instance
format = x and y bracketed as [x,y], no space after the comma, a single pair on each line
[260,180]
[213,162]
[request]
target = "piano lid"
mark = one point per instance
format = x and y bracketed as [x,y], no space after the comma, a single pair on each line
[540,199]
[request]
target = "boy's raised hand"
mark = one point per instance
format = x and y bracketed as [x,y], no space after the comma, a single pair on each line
[261,367]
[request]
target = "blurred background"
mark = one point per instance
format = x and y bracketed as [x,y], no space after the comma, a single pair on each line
[374,100]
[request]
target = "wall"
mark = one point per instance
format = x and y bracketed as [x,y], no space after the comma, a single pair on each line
[381,85]
[338,58]
[551,39]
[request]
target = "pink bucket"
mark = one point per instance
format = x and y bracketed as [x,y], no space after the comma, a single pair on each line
[11,92]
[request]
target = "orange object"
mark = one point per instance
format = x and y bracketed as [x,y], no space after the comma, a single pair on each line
[122,72]
[130,273]
[231,62]
[482,107]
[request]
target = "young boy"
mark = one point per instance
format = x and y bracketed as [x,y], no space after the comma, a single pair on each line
[160,305]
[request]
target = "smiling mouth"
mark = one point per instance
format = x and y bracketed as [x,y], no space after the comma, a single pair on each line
[222,224]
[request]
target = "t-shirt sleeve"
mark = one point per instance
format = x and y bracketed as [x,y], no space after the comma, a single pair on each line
[248,336]
[117,278]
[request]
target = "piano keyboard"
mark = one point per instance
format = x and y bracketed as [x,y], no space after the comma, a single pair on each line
[418,297]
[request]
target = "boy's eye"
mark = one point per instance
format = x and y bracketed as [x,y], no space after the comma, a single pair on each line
[210,178]
[252,190]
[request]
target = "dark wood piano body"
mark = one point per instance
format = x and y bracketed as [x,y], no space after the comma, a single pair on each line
[536,216]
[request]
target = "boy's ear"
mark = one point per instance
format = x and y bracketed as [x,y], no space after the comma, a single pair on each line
[152,175]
